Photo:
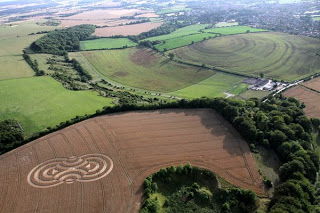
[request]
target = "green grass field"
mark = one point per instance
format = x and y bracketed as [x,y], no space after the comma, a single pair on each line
[183,41]
[106,43]
[226,24]
[238,89]
[254,94]
[233,30]
[215,86]
[39,102]
[316,18]
[12,62]
[145,69]
[13,39]
[173,10]
[192,29]
[15,29]
[277,55]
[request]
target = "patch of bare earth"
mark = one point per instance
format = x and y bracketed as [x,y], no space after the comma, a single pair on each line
[144,57]
[126,147]
[309,97]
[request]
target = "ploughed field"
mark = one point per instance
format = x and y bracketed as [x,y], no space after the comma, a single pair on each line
[277,55]
[99,165]
[307,96]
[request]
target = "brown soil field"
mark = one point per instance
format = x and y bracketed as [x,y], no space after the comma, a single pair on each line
[126,30]
[309,97]
[313,84]
[105,14]
[111,22]
[148,15]
[99,165]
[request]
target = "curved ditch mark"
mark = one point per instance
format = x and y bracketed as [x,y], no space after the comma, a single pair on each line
[112,140]
[279,60]
[294,50]
[274,47]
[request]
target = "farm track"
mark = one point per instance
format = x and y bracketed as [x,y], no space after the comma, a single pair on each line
[139,144]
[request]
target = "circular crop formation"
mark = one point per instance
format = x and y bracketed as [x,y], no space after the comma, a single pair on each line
[277,55]
[57,171]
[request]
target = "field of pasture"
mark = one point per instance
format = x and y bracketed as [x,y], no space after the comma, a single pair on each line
[183,41]
[277,55]
[145,69]
[106,43]
[13,39]
[214,86]
[40,102]
[192,29]
[232,30]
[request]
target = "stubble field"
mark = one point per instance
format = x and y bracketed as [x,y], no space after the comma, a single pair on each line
[313,84]
[134,29]
[99,165]
[309,97]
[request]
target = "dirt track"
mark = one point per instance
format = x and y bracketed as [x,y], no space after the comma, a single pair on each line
[114,154]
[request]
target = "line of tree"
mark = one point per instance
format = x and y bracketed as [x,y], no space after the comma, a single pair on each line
[33,64]
[57,42]
[166,28]
[85,76]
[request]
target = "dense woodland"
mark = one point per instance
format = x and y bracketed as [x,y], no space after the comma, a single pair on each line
[57,42]
[10,132]
[192,189]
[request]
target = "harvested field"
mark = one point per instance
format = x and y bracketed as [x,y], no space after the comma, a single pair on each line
[108,22]
[313,84]
[309,97]
[105,14]
[277,55]
[134,29]
[112,156]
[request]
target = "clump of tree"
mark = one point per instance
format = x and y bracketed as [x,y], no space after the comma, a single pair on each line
[59,41]
[10,132]
[191,189]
